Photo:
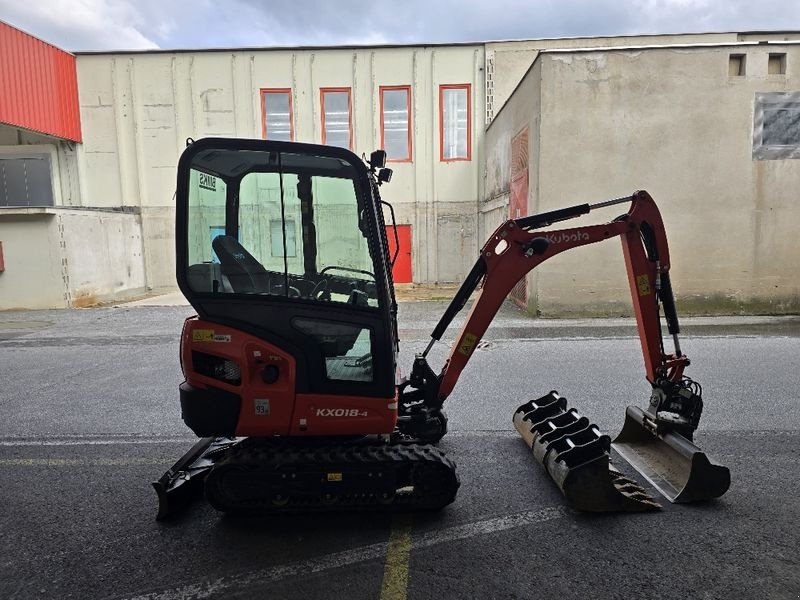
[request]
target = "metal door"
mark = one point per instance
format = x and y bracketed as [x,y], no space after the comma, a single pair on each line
[401,272]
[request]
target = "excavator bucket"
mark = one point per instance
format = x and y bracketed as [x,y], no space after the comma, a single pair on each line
[670,462]
[577,457]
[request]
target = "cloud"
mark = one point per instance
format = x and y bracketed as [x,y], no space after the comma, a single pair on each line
[118,24]
[81,24]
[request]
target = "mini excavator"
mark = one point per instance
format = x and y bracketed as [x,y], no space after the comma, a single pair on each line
[290,365]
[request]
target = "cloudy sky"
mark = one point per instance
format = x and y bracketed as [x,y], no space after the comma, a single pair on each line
[136,24]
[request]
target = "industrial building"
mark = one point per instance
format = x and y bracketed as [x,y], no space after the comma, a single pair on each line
[476,133]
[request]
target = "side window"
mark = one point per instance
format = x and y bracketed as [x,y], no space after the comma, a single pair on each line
[337,121]
[396,122]
[278,224]
[455,122]
[276,108]
[347,348]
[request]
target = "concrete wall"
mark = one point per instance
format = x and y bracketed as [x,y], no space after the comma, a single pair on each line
[138,109]
[511,60]
[32,277]
[64,258]
[69,254]
[102,254]
[673,122]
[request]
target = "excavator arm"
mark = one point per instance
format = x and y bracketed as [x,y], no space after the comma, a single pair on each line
[561,439]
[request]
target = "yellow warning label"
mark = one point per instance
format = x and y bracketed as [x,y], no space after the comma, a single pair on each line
[334,476]
[203,335]
[643,283]
[468,344]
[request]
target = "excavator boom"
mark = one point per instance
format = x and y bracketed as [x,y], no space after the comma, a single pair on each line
[656,441]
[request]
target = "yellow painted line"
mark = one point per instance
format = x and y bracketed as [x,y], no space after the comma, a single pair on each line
[395,571]
[79,462]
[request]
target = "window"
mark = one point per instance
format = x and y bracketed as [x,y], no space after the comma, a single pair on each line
[276,238]
[347,348]
[737,64]
[777,64]
[207,219]
[776,126]
[276,109]
[337,127]
[455,118]
[25,180]
[396,122]
[239,216]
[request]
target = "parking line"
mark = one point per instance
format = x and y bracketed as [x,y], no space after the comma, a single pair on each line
[92,440]
[395,571]
[79,462]
[247,580]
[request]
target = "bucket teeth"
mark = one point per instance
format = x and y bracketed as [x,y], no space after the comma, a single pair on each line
[576,456]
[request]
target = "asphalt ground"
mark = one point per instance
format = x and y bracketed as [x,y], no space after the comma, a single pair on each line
[91,417]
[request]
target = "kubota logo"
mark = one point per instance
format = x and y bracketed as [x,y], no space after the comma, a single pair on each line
[578,236]
[341,412]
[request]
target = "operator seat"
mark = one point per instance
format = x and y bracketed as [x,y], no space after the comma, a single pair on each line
[245,274]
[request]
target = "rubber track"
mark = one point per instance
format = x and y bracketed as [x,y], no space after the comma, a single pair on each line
[433,476]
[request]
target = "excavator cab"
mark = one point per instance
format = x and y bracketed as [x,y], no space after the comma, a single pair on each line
[282,249]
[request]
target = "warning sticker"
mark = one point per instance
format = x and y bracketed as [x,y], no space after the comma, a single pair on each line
[203,335]
[643,283]
[334,476]
[208,335]
[262,407]
[468,344]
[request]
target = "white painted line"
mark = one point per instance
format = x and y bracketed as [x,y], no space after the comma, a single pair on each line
[462,532]
[252,579]
[500,433]
[12,443]
[121,440]
[79,462]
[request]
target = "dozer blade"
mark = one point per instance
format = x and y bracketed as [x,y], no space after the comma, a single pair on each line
[673,464]
[183,481]
[577,457]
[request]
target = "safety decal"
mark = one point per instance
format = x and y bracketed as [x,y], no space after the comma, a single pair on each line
[203,335]
[208,335]
[468,344]
[334,476]
[643,283]
[262,407]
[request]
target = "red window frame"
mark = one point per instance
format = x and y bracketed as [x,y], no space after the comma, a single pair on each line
[262,93]
[455,86]
[349,91]
[407,88]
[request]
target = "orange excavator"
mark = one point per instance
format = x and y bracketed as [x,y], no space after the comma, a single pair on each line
[291,366]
